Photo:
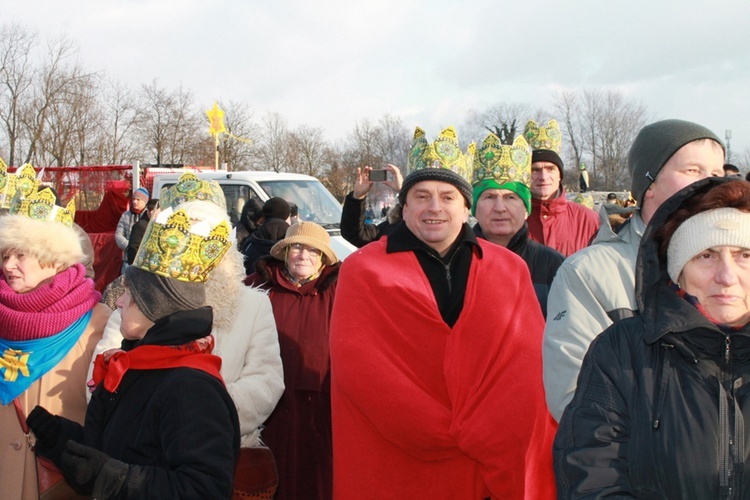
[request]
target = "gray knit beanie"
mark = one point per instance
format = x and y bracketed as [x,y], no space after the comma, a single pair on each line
[159,296]
[436,174]
[654,146]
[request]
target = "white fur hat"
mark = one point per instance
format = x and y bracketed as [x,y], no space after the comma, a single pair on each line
[52,243]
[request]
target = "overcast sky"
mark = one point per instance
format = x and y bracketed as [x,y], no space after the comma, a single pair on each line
[332,63]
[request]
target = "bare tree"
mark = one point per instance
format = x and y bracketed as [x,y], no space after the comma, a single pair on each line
[70,130]
[117,125]
[16,80]
[600,126]
[271,151]
[395,140]
[169,124]
[505,120]
[308,151]
[58,80]
[236,147]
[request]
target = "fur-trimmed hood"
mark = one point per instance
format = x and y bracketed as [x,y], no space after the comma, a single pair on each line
[52,243]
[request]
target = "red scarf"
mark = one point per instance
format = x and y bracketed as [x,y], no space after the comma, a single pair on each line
[112,365]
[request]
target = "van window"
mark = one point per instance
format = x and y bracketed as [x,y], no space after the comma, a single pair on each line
[314,202]
[236,195]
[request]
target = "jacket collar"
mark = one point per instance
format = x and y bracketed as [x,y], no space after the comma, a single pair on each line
[403,240]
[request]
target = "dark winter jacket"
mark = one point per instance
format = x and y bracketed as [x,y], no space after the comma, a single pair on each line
[259,243]
[176,429]
[353,226]
[662,407]
[136,236]
[542,261]
[299,429]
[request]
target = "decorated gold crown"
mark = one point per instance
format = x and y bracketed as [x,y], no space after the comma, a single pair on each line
[178,249]
[546,137]
[23,181]
[443,153]
[585,199]
[7,185]
[190,188]
[503,163]
[41,206]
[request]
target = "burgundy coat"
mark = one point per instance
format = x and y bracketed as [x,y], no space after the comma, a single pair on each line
[299,429]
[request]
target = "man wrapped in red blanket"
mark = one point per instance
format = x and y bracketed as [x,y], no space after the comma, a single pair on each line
[436,361]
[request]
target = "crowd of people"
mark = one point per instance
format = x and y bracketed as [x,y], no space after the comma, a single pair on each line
[490,338]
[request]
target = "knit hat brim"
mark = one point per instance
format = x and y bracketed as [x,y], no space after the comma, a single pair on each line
[158,296]
[549,156]
[142,194]
[436,174]
[521,189]
[655,144]
[712,228]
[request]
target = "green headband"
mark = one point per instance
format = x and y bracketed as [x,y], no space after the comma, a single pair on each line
[519,188]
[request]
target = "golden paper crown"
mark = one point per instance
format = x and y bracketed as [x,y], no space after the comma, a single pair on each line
[585,199]
[547,137]
[41,206]
[503,163]
[190,188]
[24,181]
[443,153]
[177,249]
[7,185]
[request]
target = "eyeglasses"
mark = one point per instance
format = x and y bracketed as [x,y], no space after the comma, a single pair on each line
[298,247]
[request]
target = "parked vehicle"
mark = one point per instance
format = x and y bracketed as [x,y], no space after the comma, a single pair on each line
[314,202]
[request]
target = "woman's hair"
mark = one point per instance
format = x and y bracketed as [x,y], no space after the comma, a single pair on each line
[732,194]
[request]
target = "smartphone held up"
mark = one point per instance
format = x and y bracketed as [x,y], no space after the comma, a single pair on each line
[380,175]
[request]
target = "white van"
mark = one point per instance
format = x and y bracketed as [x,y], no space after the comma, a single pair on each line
[314,202]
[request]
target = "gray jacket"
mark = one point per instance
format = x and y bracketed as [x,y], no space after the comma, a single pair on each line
[592,289]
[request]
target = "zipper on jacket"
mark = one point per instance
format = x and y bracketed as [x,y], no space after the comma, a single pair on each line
[731,428]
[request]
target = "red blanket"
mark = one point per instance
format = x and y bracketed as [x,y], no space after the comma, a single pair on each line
[421,410]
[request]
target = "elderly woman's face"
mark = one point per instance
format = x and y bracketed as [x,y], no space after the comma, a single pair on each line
[23,273]
[134,323]
[719,278]
[303,261]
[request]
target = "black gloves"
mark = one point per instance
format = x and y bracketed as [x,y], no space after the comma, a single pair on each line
[80,465]
[46,427]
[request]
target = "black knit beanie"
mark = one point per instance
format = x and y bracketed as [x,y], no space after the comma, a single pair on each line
[654,146]
[158,296]
[436,174]
[276,208]
[550,156]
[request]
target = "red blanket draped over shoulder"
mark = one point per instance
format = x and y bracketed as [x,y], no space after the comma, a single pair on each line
[421,410]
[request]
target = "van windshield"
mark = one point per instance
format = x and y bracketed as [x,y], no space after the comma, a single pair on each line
[314,202]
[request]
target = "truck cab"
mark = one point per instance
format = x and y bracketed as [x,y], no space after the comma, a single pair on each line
[314,202]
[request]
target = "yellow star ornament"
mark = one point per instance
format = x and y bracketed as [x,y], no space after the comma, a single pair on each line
[216,121]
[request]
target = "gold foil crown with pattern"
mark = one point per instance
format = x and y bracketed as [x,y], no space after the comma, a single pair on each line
[443,153]
[24,181]
[190,188]
[177,248]
[503,163]
[41,206]
[545,137]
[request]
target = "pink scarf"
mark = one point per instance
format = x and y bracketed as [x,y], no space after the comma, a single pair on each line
[49,309]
